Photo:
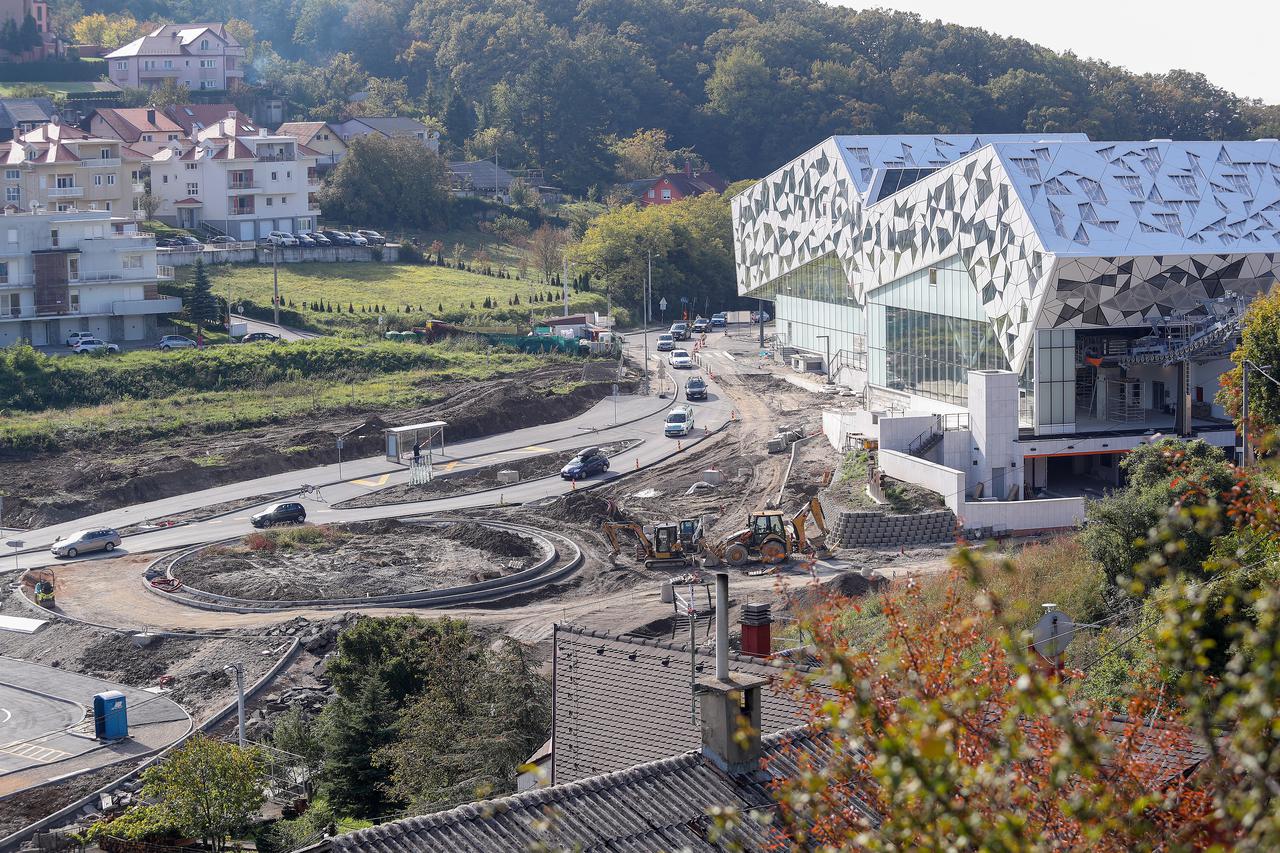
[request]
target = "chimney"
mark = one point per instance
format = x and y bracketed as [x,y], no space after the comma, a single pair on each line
[756,638]
[151,116]
[729,703]
[688,167]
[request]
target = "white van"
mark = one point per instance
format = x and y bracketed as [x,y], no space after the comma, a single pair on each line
[679,421]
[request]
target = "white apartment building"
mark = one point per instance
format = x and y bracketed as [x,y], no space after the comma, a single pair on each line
[245,186]
[78,271]
[198,56]
[62,168]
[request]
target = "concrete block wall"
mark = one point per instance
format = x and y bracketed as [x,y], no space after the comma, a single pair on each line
[878,530]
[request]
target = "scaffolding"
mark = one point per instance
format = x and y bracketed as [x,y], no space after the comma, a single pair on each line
[1124,401]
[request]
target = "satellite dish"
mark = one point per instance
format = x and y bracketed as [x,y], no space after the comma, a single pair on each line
[1052,634]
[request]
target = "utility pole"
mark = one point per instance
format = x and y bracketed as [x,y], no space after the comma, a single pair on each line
[275,284]
[647,288]
[760,316]
[564,285]
[238,671]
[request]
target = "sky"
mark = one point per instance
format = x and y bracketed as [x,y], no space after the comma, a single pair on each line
[1231,43]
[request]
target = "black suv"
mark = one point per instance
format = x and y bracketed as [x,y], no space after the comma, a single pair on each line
[285,513]
[588,461]
[695,389]
[254,337]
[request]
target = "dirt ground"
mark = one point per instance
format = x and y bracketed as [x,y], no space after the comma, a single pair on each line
[479,479]
[377,557]
[49,488]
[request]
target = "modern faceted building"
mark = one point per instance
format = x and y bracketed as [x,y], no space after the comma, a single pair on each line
[1094,288]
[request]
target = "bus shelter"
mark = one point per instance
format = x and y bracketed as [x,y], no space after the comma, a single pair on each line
[401,441]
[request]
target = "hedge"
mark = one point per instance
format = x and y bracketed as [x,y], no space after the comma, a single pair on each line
[52,71]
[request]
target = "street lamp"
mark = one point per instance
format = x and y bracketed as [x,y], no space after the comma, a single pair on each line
[1245,364]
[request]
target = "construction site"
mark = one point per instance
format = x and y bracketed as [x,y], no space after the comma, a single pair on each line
[497,537]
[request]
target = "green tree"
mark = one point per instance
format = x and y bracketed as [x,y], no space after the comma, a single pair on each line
[170,93]
[208,788]
[1260,344]
[29,37]
[110,31]
[388,182]
[352,731]
[203,307]
[459,119]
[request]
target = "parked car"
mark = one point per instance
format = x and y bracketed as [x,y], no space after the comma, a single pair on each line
[701,325]
[291,512]
[680,359]
[84,541]
[357,239]
[680,331]
[220,240]
[589,461]
[695,388]
[760,316]
[374,238]
[255,337]
[337,238]
[719,320]
[320,239]
[188,240]
[76,337]
[679,421]
[282,238]
[91,345]
[169,342]
[666,343]
[303,239]
[168,243]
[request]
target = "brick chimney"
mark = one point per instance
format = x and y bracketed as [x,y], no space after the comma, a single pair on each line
[729,702]
[757,639]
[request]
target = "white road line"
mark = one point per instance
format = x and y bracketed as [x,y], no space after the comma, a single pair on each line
[8,715]
[729,356]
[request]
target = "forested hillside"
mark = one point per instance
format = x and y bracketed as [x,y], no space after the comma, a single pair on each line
[746,83]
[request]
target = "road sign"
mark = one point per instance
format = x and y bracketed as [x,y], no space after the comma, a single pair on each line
[15,543]
[684,300]
[1052,634]
[662,304]
[615,389]
[340,443]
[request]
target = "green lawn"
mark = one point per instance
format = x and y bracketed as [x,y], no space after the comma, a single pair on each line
[431,291]
[59,87]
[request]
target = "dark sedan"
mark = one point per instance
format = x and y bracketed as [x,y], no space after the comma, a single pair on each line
[587,462]
[285,513]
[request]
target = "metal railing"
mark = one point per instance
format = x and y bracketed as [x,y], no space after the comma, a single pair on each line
[100,162]
[66,192]
[243,185]
[164,272]
[276,158]
[25,279]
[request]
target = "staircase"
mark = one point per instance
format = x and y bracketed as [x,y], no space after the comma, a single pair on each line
[924,442]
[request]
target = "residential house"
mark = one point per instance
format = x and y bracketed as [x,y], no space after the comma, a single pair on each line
[392,127]
[245,186]
[78,271]
[38,10]
[320,137]
[193,118]
[62,168]
[18,115]
[665,189]
[145,129]
[198,56]
[479,177]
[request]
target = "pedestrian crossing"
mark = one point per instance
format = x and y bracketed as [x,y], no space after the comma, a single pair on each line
[33,751]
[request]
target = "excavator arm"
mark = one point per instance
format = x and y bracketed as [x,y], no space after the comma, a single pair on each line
[612,528]
[814,509]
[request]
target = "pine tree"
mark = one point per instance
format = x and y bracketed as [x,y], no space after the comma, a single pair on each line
[203,308]
[352,731]
[440,307]
[351,309]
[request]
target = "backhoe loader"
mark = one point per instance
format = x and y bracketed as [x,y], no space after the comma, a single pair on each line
[770,537]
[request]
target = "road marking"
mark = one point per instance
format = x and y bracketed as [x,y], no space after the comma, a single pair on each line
[451,466]
[381,481]
[8,715]
[33,752]
[729,356]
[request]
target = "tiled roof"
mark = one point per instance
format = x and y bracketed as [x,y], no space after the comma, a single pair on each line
[388,125]
[483,173]
[188,116]
[693,183]
[14,111]
[659,805]
[130,123]
[301,130]
[621,700]
[171,40]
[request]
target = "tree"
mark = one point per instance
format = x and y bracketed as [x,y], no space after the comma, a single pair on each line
[170,93]
[1260,344]
[459,119]
[208,788]
[29,37]
[646,154]
[523,195]
[149,204]
[203,308]
[352,731]
[387,182]
[546,249]
[111,31]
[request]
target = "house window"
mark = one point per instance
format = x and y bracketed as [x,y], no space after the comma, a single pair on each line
[13,194]
[204,44]
[651,194]
[666,195]
[132,262]
[12,174]
[193,188]
[146,137]
[933,275]
[73,300]
[53,237]
[173,137]
[4,272]
[191,167]
[269,201]
[13,235]
[97,180]
[106,205]
[73,268]
[208,63]
[275,176]
[11,304]
[63,208]
[111,180]
[164,179]
[122,66]
[168,63]
[104,153]
[66,182]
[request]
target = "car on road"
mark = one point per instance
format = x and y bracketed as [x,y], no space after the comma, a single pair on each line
[757,315]
[76,337]
[666,343]
[256,337]
[220,240]
[590,460]
[337,238]
[290,512]
[91,345]
[374,238]
[357,239]
[679,421]
[169,342]
[84,541]
[188,240]
[701,325]
[695,388]
[679,331]
[320,239]
[680,359]
[719,320]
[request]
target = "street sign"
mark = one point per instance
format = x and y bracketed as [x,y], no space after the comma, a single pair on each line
[340,443]
[15,543]
[662,304]
[684,300]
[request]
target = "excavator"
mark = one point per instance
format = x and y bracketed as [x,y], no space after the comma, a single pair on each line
[672,546]
[770,537]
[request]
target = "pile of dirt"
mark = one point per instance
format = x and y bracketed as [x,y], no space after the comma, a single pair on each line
[586,507]
[119,657]
[845,585]
[491,539]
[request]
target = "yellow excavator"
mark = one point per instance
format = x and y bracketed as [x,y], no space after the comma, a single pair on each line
[671,547]
[770,537]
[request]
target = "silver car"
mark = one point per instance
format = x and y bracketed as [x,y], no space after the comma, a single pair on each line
[84,541]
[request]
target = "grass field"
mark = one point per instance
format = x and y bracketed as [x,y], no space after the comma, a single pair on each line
[432,291]
[63,87]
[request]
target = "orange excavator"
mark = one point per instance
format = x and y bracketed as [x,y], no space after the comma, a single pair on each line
[770,537]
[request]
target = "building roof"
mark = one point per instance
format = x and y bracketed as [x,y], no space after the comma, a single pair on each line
[388,125]
[130,123]
[194,117]
[172,40]
[620,700]
[482,173]
[303,131]
[16,111]
[54,142]
[656,805]
[692,182]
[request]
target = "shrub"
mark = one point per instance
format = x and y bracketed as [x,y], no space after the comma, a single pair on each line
[264,542]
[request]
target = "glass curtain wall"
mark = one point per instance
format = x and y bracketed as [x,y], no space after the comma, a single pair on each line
[931,355]
[816,311]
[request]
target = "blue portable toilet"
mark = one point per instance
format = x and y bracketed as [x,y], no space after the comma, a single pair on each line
[110,717]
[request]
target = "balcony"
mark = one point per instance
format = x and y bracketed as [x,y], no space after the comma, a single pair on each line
[18,280]
[313,207]
[276,158]
[139,187]
[158,305]
[100,162]
[115,277]
[243,186]
[241,211]
[66,192]
[313,181]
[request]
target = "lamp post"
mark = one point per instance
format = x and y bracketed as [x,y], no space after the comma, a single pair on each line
[237,670]
[275,286]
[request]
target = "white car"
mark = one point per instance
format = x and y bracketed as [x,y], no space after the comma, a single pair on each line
[282,238]
[681,359]
[169,342]
[76,337]
[88,345]
[666,343]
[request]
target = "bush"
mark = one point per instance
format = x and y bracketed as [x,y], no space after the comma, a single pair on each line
[264,542]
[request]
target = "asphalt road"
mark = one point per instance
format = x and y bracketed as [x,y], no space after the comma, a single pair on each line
[284,332]
[28,722]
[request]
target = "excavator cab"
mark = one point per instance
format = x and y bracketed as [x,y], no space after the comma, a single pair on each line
[767,524]
[666,541]
[690,533]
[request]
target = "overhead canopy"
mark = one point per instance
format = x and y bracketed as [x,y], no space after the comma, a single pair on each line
[432,425]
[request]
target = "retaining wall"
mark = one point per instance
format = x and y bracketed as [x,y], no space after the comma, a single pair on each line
[877,530]
[389,254]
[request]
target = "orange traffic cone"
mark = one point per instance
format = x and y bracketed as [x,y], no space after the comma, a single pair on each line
[573,485]
[637,464]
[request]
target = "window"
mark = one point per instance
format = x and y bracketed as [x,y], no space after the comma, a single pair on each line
[168,63]
[651,194]
[269,201]
[106,205]
[13,235]
[111,180]
[191,167]
[164,179]
[73,299]
[208,63]
[63,208]
[12,174]
[135,175]
[4,272]
[13,194]
[73,268]
[173,137]
[204,44]
[121,65]
[146,137]
[193,188]
[53,237]
[933,276]
[97,180]
[65,182]
[104,153]
[275,176]
[132,262]
[666,195]
[10,304]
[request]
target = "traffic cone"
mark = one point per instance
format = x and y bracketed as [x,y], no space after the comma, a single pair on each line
[637,463]
[679,446]
[573,485]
